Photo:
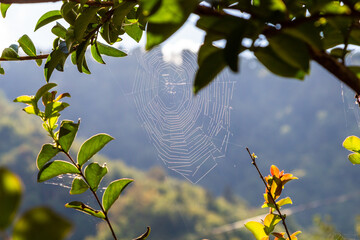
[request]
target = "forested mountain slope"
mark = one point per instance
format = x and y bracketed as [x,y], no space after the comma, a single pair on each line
[296,125]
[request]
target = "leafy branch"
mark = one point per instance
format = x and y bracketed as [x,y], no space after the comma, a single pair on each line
[273,185]
[88,175]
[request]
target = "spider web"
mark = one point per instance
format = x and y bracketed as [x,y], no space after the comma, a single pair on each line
[190,133]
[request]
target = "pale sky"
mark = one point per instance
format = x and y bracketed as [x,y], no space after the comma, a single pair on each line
[21,19]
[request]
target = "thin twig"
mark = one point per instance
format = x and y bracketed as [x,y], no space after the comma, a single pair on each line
[25,58]
[268,189]
[93,192]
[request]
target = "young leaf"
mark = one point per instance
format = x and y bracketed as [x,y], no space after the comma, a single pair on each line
[91,146]
[3,8]
[41,223]
[352,143]
[284,201]
[55,168]
[144,235]
[78,186]
[10,196]
[44,89]
[210,66]
[257,229]
[94,173]
[30,110]
[85,209]
[27,45]
[354,158]
[270,222]
[24,99]
[67,133]
[110,51]
[47,152]
[48,18]
[113,192]
[82,22]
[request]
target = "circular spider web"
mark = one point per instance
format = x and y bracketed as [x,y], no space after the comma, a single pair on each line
[190,133]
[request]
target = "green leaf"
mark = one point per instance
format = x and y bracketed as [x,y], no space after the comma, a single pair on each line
[59,30]
[41,223]
[233,47]
[257,229]
[47,152]
[144,235]
[85,209]
[9,53]
[83,20]
[68,13]
[3,8]
[110,51]
[94,173]
[56,58]
[121,11]
[78,186]
[10,196]
[55,168]
[291,50]
[276,65]
[2,71]
[209,68]
[91,146]
[270,222]
[96,54]
[80,55]
[133,30]
[149,7]
[113,192]
[44,89]
[352,143]
[354,158]
[67,133]
[170,16]
[48,18]
[27,45]
[308,33]
[24,99]
[53,108]
[38,62]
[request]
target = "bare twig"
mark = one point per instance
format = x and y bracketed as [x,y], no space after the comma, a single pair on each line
[270,195]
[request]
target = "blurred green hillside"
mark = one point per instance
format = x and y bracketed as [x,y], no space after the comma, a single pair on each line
[298,126]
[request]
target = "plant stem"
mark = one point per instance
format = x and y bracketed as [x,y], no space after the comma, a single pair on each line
[268,189]
[93,192]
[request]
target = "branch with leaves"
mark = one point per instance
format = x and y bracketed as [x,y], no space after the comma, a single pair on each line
[283,35]
[274,185]
[88,175]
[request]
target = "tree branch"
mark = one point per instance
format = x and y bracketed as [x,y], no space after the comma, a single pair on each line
[25,58]
[336,68]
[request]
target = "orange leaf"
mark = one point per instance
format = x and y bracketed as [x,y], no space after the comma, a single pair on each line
[274,171]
